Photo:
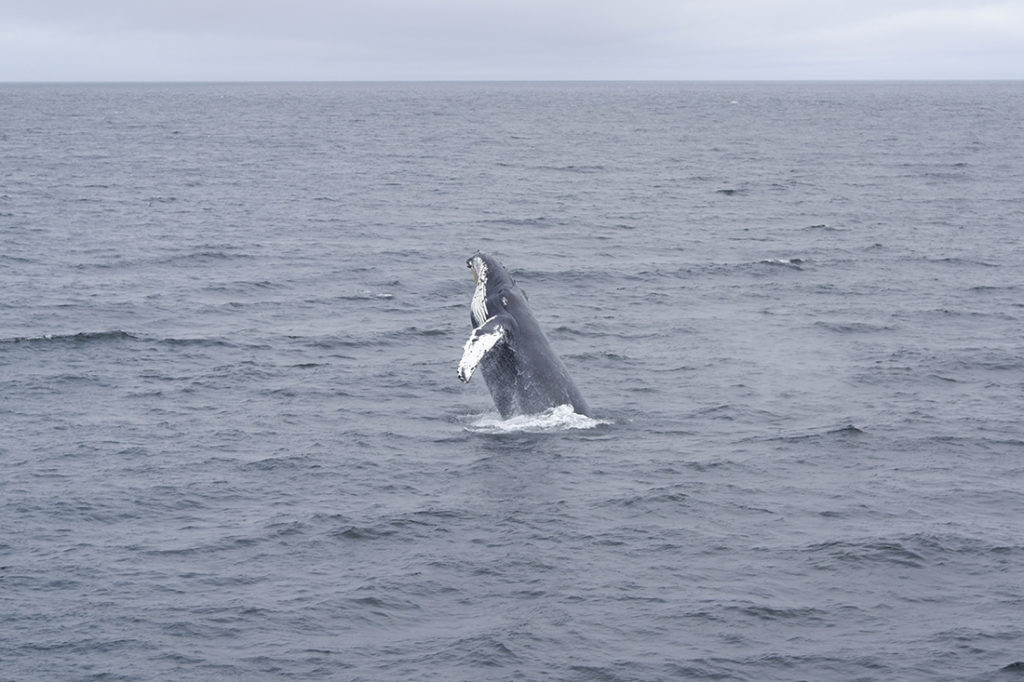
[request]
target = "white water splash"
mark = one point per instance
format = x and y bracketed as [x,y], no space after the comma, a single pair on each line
[561,418]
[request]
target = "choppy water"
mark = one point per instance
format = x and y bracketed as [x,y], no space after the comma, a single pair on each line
[233,444]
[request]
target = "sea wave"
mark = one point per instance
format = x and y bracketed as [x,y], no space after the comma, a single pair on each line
[79,337]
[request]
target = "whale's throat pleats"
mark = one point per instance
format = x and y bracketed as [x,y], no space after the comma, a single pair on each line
[478,307]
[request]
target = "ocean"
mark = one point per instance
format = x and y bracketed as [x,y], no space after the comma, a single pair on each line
[233,444]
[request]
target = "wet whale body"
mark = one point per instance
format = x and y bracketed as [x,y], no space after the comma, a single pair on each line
[522,372]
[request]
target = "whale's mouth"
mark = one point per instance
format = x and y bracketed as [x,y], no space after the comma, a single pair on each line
[479,268]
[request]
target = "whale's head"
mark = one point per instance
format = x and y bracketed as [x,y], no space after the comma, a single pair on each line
[491,279]
[488,271]
[478,264]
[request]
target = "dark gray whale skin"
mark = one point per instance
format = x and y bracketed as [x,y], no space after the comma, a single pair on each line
[522,372]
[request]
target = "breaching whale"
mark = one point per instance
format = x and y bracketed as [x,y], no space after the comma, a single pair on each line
[521,370]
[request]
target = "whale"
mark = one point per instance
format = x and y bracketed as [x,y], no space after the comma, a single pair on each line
[507,346]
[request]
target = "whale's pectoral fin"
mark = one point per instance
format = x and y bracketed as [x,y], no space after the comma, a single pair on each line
[485,337]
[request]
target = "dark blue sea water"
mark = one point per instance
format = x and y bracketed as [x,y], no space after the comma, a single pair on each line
[233,444]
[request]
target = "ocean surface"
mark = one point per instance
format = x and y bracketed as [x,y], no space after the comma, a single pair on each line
[233,444]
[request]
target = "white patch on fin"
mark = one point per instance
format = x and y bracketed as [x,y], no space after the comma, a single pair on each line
[476,348]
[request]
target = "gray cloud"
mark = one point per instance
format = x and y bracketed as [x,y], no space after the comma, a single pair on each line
[502,39]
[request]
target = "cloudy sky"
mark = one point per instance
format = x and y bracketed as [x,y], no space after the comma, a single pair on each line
[159,40]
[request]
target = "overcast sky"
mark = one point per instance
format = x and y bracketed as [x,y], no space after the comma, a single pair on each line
[143,40]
